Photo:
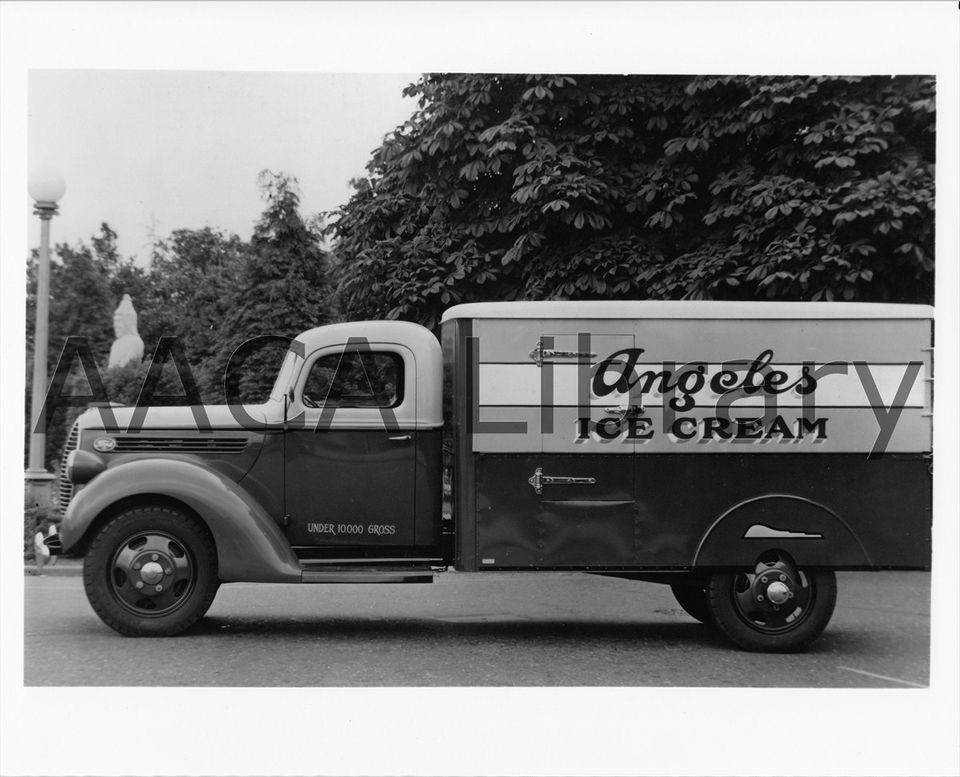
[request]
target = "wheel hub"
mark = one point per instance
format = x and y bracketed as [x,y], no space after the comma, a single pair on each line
[151,572]
[773,588]
[778,592]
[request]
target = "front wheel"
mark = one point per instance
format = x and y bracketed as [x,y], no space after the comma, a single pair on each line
[775,607]
[151,571]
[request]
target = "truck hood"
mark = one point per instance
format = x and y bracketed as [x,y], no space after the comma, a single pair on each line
[193,418]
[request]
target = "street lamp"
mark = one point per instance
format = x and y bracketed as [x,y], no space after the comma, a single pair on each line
[46,189]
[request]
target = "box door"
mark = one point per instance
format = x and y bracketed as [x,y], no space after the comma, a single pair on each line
[567,501]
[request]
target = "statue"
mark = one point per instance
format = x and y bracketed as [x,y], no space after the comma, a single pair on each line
[128,346]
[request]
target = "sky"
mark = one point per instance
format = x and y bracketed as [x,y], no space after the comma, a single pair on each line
[149,152]
[198,99]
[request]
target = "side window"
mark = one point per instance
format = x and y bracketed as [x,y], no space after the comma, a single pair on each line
[354,379]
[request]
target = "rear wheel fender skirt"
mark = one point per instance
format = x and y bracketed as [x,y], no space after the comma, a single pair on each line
[810,532]
[250,545]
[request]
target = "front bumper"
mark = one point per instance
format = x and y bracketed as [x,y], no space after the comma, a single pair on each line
[53,544]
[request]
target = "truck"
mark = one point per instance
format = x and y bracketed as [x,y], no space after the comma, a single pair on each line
[741,453]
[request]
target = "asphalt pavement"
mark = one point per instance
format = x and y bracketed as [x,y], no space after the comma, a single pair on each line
[505,629]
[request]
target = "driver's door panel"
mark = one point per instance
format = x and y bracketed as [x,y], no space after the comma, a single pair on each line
[350,487]
[350,458]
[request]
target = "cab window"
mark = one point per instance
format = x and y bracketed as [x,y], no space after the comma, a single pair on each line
[355,379]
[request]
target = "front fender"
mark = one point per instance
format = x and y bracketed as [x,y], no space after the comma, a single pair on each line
[250,545]
[810,532]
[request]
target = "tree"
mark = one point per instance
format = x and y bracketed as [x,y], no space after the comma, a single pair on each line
[192,273]
[86,285]
[85,288]
[618,187]
[282,288]
[81,304]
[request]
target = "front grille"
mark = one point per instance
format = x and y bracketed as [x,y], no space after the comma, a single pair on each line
[65,490]
[138,444]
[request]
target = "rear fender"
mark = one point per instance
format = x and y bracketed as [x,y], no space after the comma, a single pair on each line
[250,545]
[811,533]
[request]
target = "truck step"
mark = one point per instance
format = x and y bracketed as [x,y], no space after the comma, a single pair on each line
[355,573]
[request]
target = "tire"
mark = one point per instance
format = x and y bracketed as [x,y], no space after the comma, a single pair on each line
[775,607]
[692,597]
[151,572]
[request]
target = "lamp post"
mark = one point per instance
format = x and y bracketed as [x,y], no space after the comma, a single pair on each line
[46,189]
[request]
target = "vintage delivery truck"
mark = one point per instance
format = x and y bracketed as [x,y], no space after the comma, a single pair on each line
[740,453]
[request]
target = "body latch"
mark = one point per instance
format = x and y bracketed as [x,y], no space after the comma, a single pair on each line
[538,480]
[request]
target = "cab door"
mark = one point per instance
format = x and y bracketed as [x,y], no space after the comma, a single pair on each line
[350,449]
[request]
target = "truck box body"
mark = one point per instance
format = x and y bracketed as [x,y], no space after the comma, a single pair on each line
[824,452]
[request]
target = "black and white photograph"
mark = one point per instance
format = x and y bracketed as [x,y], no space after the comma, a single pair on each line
[483,388]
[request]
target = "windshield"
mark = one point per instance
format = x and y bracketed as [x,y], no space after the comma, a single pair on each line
[291,363]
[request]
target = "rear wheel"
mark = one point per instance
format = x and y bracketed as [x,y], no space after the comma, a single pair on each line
[775,607]
[151,571]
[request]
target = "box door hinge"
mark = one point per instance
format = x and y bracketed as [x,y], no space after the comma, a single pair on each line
[540,354]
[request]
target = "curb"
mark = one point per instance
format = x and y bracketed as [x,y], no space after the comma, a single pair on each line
[64,567]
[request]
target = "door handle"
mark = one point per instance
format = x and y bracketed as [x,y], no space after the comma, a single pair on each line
[401,437]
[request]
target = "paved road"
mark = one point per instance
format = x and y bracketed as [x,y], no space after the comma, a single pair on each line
[477,630]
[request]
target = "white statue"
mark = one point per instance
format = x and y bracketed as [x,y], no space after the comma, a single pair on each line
[128,346]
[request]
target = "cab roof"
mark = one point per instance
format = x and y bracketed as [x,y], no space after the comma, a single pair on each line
[399,332]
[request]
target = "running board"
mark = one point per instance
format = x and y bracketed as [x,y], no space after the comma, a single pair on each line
[328,573]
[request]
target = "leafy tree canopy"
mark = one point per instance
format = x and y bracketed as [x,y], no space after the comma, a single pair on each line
[618,187]
[191,274]
[281,288]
